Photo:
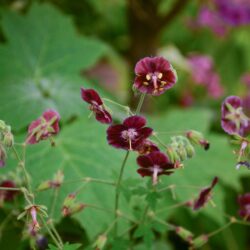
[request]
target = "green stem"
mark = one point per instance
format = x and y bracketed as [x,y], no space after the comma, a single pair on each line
[51,234]
[126,108]
[220,229]
[10,189]
[142,97]
[88,179]
[53,203]
[56,233]
[117,191]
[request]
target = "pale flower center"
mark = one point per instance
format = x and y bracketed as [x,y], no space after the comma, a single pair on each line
[129,134]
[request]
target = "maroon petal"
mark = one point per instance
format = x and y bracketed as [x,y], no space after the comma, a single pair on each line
[159,158]
[135,122]
[145,161]
[144,172]
[103,116]
[147,147]
[50,114]
[90,96]
[145,132]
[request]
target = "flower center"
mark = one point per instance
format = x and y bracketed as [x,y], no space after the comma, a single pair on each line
[129,134]
[155,80]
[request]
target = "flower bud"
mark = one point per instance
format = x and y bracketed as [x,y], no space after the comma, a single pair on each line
[100,242]
[184,234]
[197,138]
[172,154]
[8,139]
[44,186]
[190,151]
[2,155]
[182,153]
[200,241]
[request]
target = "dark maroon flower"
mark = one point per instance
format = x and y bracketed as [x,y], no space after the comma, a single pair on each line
[96,105]
[233,120]
[204,195]
[147,147]
[7,195]
[154,75]
[44,127]
[244,201]
[130,134]
[154,164]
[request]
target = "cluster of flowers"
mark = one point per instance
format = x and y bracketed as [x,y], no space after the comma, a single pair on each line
[220,15]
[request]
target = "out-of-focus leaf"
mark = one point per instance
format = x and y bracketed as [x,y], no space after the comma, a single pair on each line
[67,246]
[41,64]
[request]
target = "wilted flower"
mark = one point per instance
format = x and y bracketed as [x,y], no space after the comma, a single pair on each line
[184,234]
[55,183]
[147,147]
[244,202]
[233,119]
[154,75]
[154,164]
[130,134]
[7,195]
[44,127]
[71,206]
[242,164]
[42,242]
[197,138]
[33,214]
[205,195]
[96,105]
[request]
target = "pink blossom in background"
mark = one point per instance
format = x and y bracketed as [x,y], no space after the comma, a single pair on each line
[245,79]
[203,73]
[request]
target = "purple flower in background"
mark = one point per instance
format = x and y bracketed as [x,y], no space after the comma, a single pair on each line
[147,147]
[154,164]
[245,78]
[44,127]
[205,195]
[233,120]
[202,70]
[244,202]
[130,134]
[96,105]
[234,12]
[154,75]
[211,19]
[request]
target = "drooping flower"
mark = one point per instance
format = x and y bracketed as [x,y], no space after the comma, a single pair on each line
[147,147]
[44,127]
[244,202]
[154,164]
[205,195]
[197,138]
[233,119]
[130,134]
[96,105]
[71,206]
[154,75]
[7,195]
[33,214]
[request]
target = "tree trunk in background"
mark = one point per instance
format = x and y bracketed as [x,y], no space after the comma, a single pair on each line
[144,37]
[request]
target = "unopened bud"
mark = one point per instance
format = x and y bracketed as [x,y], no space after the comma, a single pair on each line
[190,151]
[44,186]
[200,241]
[100,242]
[184,234]
[172,154]
[197,138]
[8,139]
[182,153]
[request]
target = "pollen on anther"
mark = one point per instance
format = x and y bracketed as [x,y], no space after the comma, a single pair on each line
[163,83]
[145,83]
[148,77]
[159,75]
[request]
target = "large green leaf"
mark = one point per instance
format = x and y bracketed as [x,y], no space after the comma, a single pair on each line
[41,64]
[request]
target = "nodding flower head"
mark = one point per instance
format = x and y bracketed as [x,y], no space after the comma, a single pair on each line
[205,195]
[244,202]
[130,134]
[233,119]
[44,127]
[96,105]
[154,164]
[154,75]
[147,147]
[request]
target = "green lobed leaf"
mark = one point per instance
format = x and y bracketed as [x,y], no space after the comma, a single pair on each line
[41,64]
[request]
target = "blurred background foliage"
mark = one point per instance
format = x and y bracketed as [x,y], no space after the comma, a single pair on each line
[50,48]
